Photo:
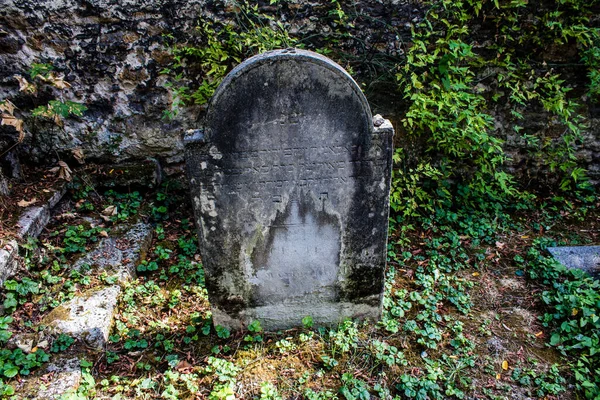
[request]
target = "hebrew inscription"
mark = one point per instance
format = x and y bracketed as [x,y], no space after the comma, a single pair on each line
[290,182]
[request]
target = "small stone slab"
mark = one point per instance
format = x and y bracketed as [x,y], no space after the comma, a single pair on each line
[59,377]
[120,253]
[8,259]
[290,181]
[586,258]
[89,316]
[34,219]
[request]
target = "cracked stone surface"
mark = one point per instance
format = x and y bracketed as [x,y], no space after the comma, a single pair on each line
[120,253]
[88,317]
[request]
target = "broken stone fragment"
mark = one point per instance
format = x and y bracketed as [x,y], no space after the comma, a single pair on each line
[8,259]
[88,317]
[58,378]
[120,253]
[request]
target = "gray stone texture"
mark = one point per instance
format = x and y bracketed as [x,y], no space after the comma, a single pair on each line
[88,316]
[290,182]
[120,253]
[9,251]
[586,258]
[34,219]
[61,376]
[112,52]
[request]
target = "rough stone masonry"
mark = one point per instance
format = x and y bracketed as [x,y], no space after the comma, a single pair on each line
[290,184]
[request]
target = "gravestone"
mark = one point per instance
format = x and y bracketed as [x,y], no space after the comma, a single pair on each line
[290,185]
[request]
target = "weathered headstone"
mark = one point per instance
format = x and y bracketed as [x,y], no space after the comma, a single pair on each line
[290,185]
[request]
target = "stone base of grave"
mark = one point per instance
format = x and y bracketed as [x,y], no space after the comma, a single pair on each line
[282,316]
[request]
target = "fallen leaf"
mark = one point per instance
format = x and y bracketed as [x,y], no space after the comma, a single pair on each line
[498,376]
[104,234]
[58,81]
[475,274]
[183,365]
[505,365]
[25,203]
[66,215]
[64,172]
[110,210]
[17,123]
[500,245]
[78,154]
[7,106]
[58,121]
[25,86]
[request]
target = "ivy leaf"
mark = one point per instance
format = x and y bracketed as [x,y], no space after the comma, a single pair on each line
[10,370]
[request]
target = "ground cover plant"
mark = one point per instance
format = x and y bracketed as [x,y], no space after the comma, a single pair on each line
[473,308]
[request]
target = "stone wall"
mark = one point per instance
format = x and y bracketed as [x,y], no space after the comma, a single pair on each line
[112,53]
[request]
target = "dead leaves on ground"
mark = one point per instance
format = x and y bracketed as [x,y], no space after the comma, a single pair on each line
[9,119]
[26,203]
[25,86]
[63,170]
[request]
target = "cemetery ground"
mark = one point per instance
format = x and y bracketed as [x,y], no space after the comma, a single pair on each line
[473,308]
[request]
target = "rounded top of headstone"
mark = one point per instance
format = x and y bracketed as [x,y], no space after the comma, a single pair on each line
[292,56]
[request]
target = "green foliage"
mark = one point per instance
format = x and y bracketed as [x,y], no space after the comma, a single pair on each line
[269,392]
[307,322]
[222,332]
[61,343]
[573,301]
[549,383]
[354,388]
[76,238]
[13,362]
[56,109]
[17,292]
[226,373]
[220,47]
[42,70]
[345,338]
[127,204]
[455,90]
[387,354]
